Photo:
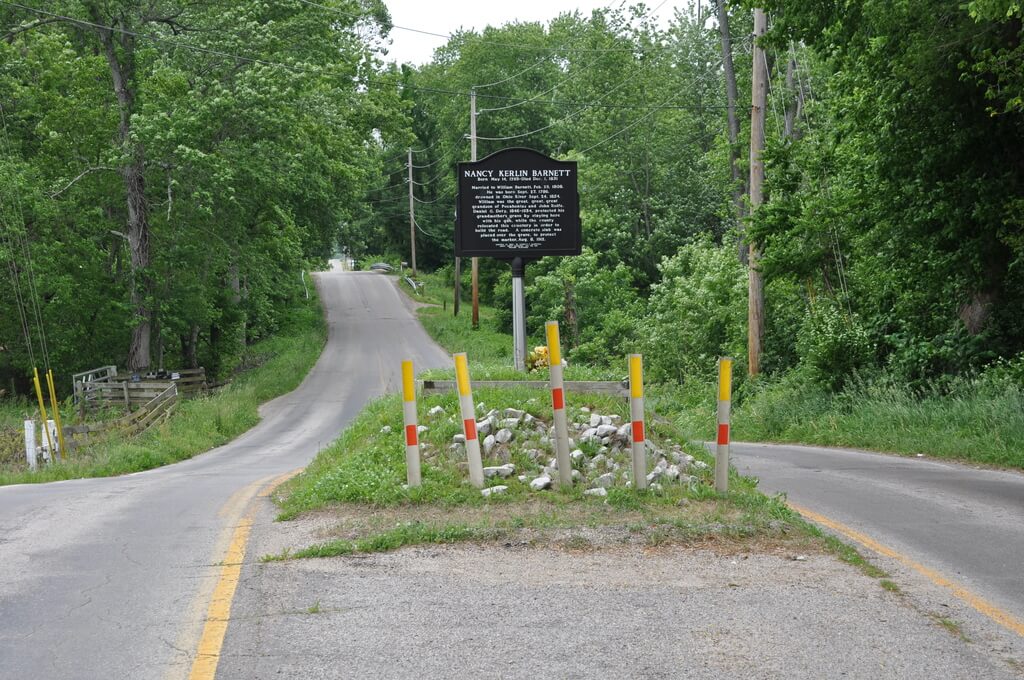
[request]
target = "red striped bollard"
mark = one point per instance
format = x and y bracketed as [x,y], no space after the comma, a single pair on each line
[636,417]
[476,466]
[412,444]
[558,404]
[724,413]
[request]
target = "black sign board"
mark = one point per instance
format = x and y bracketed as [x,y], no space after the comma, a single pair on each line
[517,203]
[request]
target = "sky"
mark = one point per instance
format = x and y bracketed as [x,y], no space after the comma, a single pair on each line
[446,16]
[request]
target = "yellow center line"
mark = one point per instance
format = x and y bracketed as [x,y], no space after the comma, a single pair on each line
[983,606]
[204,667]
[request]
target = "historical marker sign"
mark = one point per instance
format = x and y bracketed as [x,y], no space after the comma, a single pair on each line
[517,203]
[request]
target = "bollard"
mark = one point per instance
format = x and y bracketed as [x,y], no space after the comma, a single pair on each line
[724,412]
[476,466]
[30,444]
[558,404]
[56,412]
[412,447]
[636,417]
[47,442]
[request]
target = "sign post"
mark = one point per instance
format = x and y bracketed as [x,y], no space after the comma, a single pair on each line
[518,205]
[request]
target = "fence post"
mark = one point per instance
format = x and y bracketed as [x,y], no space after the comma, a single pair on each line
[127,403]
[724,413]
[636,417]
[558,404]
[30,444]
[412,448]
[476,466]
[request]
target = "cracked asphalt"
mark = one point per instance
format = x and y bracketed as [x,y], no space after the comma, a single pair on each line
[111,578]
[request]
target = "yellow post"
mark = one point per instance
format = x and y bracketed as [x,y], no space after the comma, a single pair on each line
[560,419]
[42,411]
[412,446]
[56,412]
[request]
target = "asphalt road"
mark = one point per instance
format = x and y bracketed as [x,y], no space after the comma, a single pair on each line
[110,578]
[964,523]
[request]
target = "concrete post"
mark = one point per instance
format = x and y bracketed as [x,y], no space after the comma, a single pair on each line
[468,409]
[30,444]
[724,414]
[558,404]
[412,447]
[636,417]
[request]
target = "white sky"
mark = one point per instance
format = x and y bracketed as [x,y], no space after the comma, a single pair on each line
[446,16]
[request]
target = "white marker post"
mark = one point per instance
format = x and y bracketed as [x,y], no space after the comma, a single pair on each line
[412,445]
[558,404]
[51,425]
[30,444]
[476,466]
[724,413]
[636,417]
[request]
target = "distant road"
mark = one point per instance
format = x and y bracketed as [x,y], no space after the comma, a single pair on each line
[111,578]
[964,523]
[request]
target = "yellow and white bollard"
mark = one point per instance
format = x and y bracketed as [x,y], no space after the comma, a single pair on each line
[636,417]
[558,404]
[476,466]
[724,412]
[47,435]
[412,444]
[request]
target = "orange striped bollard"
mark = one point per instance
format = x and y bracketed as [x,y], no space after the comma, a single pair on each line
[558,404]
[476,466]
[636,417]
[412,443]
[724,412]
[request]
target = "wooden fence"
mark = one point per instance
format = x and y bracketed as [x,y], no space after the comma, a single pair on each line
[156,410]
[112,389]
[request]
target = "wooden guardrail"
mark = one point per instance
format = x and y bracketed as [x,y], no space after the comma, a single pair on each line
[118,390]
[619,389]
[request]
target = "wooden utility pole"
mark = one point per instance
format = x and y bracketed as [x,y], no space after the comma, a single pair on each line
[738,188]
[476,261]
[412,218]
[755,288]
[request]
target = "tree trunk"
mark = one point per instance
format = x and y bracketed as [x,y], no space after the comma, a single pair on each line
[738,187]
[122,73]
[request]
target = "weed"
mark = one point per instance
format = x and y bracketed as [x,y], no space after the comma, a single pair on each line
[890,586]
[314,608]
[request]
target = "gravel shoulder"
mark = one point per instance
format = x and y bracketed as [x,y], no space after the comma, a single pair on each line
[526,610]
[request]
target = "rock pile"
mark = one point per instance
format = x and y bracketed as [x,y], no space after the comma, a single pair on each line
[601,452]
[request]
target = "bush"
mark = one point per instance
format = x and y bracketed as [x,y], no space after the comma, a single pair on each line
[696,313]
[833,345]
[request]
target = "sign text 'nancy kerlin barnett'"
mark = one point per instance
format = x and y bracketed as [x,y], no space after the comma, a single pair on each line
[517,203]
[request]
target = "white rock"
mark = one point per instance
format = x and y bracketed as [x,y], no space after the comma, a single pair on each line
[699,465]
[436,411]
[541,483]
[534,454]
[522,479]
[577,455]
[514,413]
[672,472]
[584,409]
[488,444]
[589,432]
[510,423]
[577,475]
[528,419]
[599,459]
[405,487]
[553,463]
[493,413]
[493,491]
[459,438]
[606,430]
[654,476]
[661,465]
[386,429]
[606,480]
[595,420]
[616,420]
[624,431]
[655,487]
[502,471]
[550,472]
[483,428]
[598,491]
[606,420]
[421,429]
[504,436]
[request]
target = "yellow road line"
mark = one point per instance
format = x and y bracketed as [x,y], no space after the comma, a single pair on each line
[204,667]
[983,606]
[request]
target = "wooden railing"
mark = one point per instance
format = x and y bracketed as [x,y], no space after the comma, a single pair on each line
[117,390]
[157,409]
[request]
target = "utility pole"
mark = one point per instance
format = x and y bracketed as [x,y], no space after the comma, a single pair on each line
[412,218]
[472,157]
[734,125]
[755,288]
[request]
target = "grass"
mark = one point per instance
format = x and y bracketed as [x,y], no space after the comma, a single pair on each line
[207,422]
[361,476]
[976,422]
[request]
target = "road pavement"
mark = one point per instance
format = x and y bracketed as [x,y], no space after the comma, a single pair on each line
[964,523]
[110,578]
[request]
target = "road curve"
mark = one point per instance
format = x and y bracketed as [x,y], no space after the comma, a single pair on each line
[110,578]
[966,524]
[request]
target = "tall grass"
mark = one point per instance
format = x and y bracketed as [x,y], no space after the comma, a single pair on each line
[201,424]
[975,420]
